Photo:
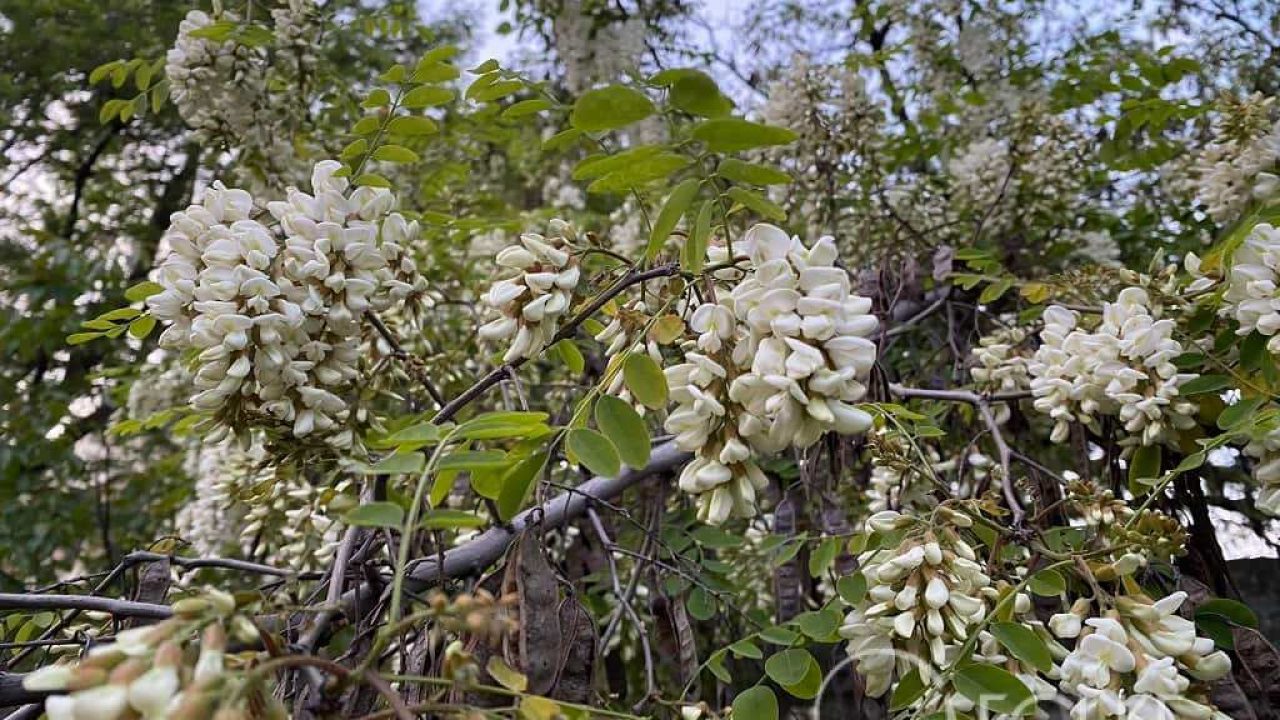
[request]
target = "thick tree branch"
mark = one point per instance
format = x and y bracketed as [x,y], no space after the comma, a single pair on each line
[119,608]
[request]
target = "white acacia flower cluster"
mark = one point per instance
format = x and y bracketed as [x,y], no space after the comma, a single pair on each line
[1136,661]
[1264,448]
[1240,164]
[530,303]
[244,504]
[274,314]
[981,171]
[1123,368]
[1252,297]
[592,51]
[999,365]
[838,125]
[247,94]
[925,598]
[159,671]
[779,360]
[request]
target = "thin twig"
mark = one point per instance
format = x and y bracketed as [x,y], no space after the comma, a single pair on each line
[119,608]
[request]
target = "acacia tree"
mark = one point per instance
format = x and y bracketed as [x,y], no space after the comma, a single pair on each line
[904,359]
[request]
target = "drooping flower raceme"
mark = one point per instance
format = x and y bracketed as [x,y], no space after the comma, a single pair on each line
[925,597]
[244,92]
[1253,296]
[1123,368]
[1240,164]
[1138,660]
[531,301]
[275,313]
[777,362]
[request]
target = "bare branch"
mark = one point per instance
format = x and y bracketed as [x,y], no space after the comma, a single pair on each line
[119,608]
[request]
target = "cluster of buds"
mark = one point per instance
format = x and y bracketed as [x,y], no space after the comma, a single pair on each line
[478,614]
[275,317]
[1152,535]
[926,596]
[1139,659]
[537,294]
[162,670]
[1123,368]
[777,362]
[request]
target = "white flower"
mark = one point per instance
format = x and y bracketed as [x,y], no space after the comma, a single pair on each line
[1124,368]
[530,303]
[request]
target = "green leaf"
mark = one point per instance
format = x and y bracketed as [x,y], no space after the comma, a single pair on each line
[1144,464]
[778,635]
[82,338]
[371,180]
[426,96]
[1253,351]
[713,537]
[398,464]
[677,203]
[473,460]
[142,327]
[366,125]
[697,94]
[507,676]
[734,134]
[852,588]
[561,140]
[124,313]
[746,649]
[1235,415]
[526,107]
[378,97]
[810,685]
[409,438]
[102,71]
[994,689]
[910,688]
[496,90]
[485,67]
[715,665]
[594,451]
[645,380]
[142,291]
[1230,610]
[516,484]
[1024,644]
[694,254]
[1205,384]
[354,149]
[655,167]
[608,108]
[761,205]
[756,703]
[571,356]
[994,291]
[434,71]
[819,625]
[394,74]
[395,154]
[619,422]
[446,519]
[503,424]
[412,125]
[751,173]
[823,556]
[375,514]
[700,604]
[1047,583]
[789,666]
